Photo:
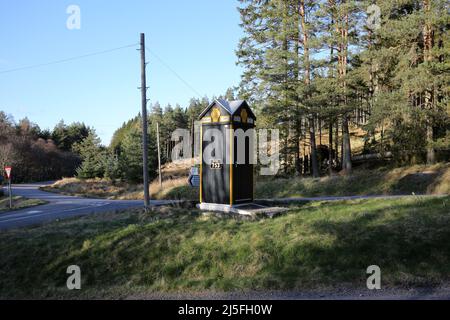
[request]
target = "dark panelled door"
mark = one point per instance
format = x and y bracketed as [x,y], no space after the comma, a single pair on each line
[243,175]
[215,174]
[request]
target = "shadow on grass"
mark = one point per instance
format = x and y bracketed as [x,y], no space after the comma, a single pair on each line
[421,181]
[183,193]
[410,242]
[321,244]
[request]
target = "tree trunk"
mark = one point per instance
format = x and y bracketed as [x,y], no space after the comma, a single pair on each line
[312,138]
[336,143]
[306,164]
[312,131]
[428,38]
[320,131]
[298,116]
[346,149]
[431,155]
[286,145]
[331,4]
[298,165]
[330,148]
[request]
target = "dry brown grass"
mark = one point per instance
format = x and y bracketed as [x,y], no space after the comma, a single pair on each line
[95,188]
[177,169]
[174,185]
[19,203]
[418,179]
[101,188]
[156,191]
[357,135]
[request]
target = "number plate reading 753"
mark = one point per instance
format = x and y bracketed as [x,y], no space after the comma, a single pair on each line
[216,164]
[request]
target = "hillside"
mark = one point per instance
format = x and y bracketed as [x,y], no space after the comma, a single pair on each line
[317,245]
[419,179]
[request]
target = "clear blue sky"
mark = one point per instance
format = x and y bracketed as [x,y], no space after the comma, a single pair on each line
[196,38]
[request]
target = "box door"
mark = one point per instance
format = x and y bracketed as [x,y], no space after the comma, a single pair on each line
[215,173]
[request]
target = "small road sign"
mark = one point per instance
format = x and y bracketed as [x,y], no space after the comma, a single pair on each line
[194,177]
[194,171]
[8,172]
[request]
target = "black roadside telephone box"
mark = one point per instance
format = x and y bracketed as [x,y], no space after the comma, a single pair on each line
[224,179]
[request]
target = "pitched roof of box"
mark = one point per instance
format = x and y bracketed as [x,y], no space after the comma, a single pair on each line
[230,106]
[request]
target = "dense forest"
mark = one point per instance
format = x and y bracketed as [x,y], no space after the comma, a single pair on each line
[380,67]
[329,73]
[39,155]
[325,73]
[75,149]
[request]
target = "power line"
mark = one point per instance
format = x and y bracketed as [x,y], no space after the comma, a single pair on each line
[99,53]
[67,59]
[173,71]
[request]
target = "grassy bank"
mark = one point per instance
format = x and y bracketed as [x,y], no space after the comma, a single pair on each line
[383,181]
[101,188]
[317,245]
[18,203]
[417,179]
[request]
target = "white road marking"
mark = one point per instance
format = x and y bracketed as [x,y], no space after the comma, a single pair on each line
[58,199]
[44,214]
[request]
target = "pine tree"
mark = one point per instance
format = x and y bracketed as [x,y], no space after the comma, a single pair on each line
[112,166]
[130,158]
[390,81]
[407,69]
[92,155]
[305,31]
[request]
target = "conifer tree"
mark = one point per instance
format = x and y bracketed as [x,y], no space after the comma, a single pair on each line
[92,156]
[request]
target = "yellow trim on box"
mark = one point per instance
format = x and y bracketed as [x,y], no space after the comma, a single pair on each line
[201,161]
[224,119]
[231,163]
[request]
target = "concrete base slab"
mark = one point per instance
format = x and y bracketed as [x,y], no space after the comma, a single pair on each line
[247,209]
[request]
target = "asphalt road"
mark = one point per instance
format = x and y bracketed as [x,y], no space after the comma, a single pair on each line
[59,207]
[62,206]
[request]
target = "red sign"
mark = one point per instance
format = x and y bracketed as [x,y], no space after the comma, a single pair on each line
[8,172]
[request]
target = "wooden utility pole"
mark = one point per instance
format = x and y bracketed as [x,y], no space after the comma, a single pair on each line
[159,155]
[144,125]
[10,193]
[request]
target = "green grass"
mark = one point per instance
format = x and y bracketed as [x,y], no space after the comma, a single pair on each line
[19,203]
[382,181]
[317,245]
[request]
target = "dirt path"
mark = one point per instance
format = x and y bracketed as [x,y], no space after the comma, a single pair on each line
[439,293]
